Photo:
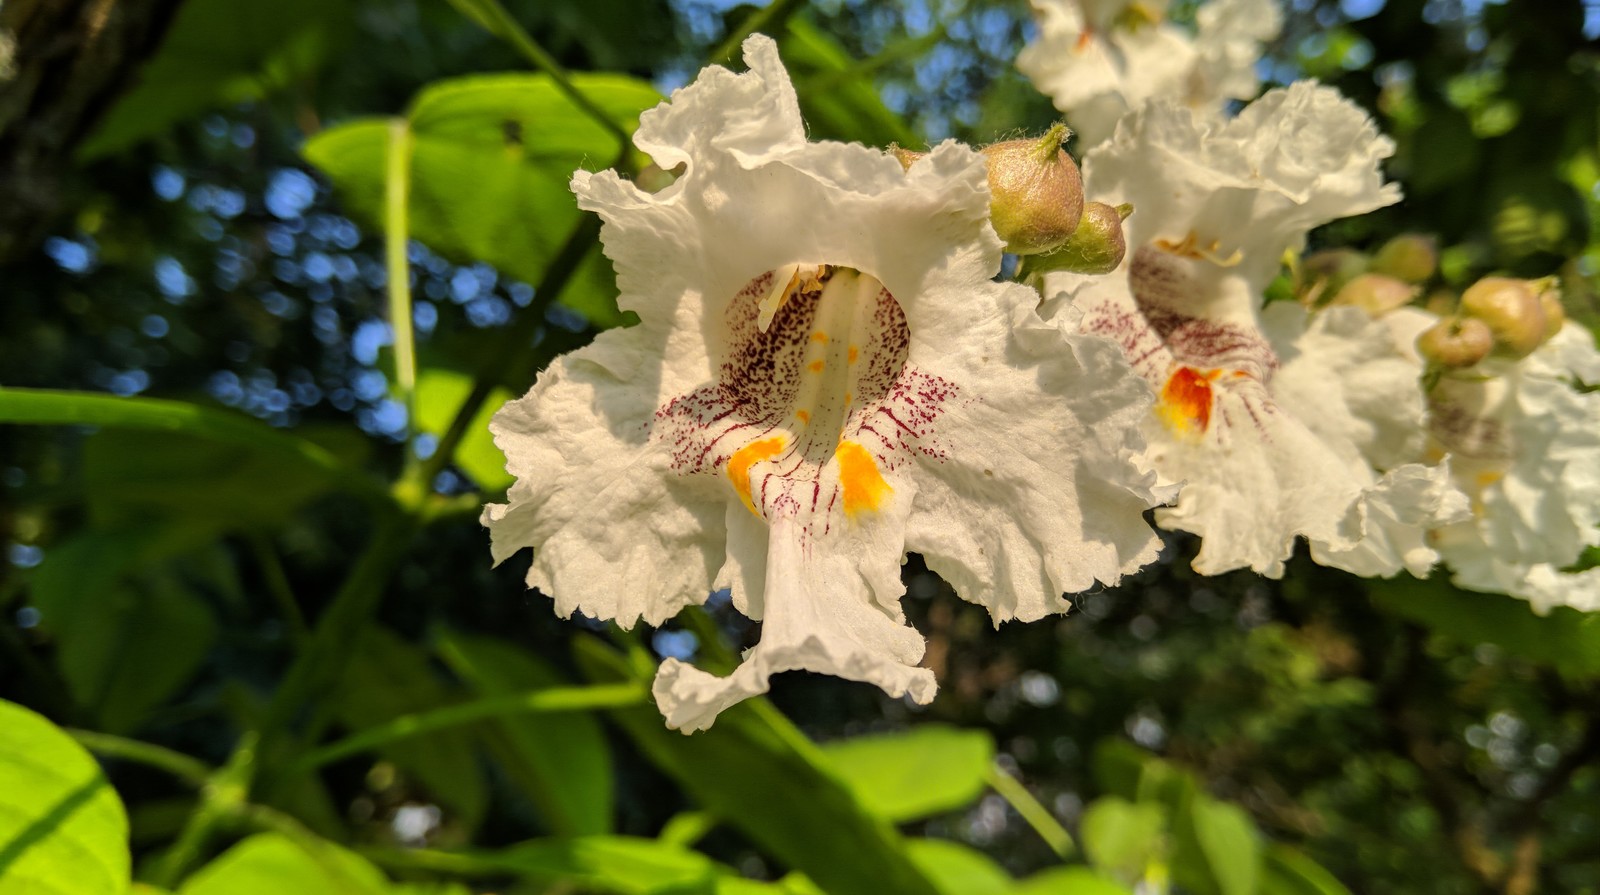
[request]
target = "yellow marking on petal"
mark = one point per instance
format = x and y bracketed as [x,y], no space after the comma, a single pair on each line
[744,458]
[804,416]
[815,366]
[820,336]
[1190,247]
[1185,404]
[864,487]
[854,353]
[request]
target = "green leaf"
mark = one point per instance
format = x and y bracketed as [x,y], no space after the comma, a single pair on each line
[763,779]
[1288,872]
[439,393]
[1069,881]
[50,407]
[1123,837]
[63,830]
[219,53]
[561,761]
[612,864]
[388,677]
[1216,849]
[927,770]
[492,156]
[272,864]
[124,642]
[958,870]
[843,104]
[1567,639]
[131,475]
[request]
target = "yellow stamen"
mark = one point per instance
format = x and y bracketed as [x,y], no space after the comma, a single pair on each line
[744,458]
[864,487]
[1191,248]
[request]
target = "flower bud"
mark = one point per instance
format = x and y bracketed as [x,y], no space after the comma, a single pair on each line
[1325,273]
[1411,257]
[1555,316]
[1096,247]
[1376,293]
[1512,310]
[1036,192]
[1456,342]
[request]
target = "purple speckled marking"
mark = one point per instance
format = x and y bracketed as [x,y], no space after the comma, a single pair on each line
[892,412]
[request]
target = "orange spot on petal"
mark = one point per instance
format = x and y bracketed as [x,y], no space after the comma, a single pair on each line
[744,458]
[864,487]
[1186,401]
[819,336]
[854,353]
[803,416]
[815,366]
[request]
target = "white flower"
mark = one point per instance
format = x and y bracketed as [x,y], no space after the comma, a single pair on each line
[824,377]
[1525,445]
[1278,426]
[1099,59]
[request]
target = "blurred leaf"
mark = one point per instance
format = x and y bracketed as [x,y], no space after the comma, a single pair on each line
[1565,638]
[221,53]
[956,869]
[130,475]
[1225,855]
[272,864]
[492,156]
[1441,153]
[180,419]
[845,105]
[560,760]
[1123,837]
[389,677]
[750,773]
[63,830]
[1069,881]
[618,864]
[124,644]
[927,770]
[439,392]
[1288,872]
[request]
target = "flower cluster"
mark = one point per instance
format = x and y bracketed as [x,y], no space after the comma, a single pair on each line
[827,374]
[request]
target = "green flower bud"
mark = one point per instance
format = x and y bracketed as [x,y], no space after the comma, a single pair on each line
[1324,273]
[1376,293]
[1456,342]
[1036,192]
[1096,247]
[1411,257]
[1512,310]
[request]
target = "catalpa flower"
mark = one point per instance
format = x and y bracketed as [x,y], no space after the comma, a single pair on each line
[823,377]
[1279,425]
[1099,59]
[1524,442]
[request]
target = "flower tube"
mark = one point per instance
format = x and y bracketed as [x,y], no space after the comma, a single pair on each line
[824,376]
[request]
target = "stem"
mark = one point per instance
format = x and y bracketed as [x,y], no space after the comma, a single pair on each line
[774,13]
[189,770]
[554,699]
[508,350]
[320,664]
[1037,816]
[278,585]
[397,193]
[497,21]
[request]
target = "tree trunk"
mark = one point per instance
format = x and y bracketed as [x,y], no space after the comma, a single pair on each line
[62,62]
